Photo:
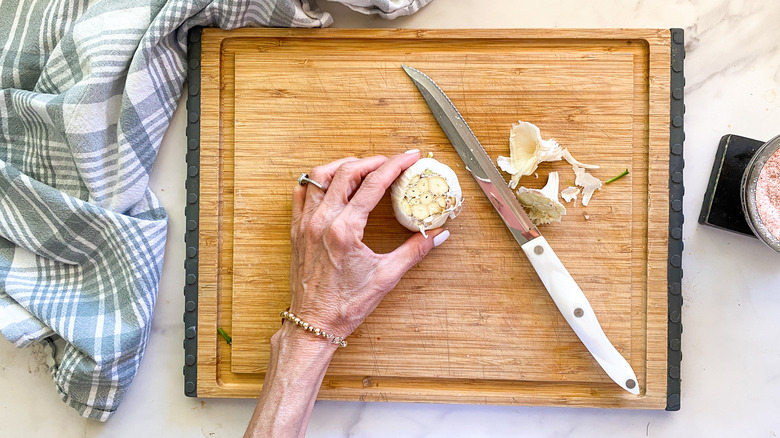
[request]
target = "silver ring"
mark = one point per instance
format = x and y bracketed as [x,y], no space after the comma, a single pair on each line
[304,179]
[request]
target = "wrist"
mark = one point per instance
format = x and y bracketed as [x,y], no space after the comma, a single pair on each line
[291,340]
[296,368]
[315,330]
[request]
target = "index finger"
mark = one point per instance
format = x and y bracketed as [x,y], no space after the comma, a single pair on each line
[376,183]
[323,174]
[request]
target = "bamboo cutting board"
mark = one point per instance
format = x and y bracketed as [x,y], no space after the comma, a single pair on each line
[472,323]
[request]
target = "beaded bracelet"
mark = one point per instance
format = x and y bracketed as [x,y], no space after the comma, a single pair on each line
[338,340]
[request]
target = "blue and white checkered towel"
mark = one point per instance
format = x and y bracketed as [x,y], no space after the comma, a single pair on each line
[87,89]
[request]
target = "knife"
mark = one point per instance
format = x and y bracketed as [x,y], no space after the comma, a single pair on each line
[565,292]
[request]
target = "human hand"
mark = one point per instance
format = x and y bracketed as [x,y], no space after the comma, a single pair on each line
[336,281]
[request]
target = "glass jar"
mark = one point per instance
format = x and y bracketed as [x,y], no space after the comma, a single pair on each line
[749,200]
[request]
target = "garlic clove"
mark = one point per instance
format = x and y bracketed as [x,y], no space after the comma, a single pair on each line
[422,185]
[438,185]
[406,208]
[427,198]
[542,205]
[420,211]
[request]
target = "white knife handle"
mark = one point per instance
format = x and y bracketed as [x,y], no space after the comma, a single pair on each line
[578,312]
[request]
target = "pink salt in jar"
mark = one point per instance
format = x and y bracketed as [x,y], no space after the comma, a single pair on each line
[761,193]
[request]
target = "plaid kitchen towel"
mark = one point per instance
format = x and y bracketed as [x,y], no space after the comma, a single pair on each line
[87,89]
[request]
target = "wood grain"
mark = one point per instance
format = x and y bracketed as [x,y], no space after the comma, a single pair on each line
[472,323]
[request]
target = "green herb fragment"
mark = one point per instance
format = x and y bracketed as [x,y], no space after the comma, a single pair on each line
[227,337]
[617,177]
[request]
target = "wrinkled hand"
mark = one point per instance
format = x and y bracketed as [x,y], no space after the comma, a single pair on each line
[336,281]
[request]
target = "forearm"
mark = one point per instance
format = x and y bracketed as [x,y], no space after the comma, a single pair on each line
[295,371]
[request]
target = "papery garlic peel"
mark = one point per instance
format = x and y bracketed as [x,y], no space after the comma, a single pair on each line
[542,205]
[527,150]
[570,194]
[588,182]
[426,195]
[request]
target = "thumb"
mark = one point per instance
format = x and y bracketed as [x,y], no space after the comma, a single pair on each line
[412,252]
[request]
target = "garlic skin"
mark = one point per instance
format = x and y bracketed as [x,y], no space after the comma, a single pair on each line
[588,182]
[426,195]
[527,150]
[571,160]
[542,205]
[570,194]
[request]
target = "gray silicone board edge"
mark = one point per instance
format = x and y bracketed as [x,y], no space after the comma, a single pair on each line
[191,214]
[676,219]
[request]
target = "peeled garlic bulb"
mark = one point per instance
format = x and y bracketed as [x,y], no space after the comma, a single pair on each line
[426,195]
[527,150]
[542,205]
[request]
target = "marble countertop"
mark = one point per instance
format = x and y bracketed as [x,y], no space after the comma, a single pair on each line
[731,356]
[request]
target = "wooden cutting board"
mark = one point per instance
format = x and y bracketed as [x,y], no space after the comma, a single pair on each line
[472,323]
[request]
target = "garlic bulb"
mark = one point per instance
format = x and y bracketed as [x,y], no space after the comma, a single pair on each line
[425,195]
[527,150]
[542,205]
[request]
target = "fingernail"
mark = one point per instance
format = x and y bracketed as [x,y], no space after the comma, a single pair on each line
[441,237]
[411,151]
